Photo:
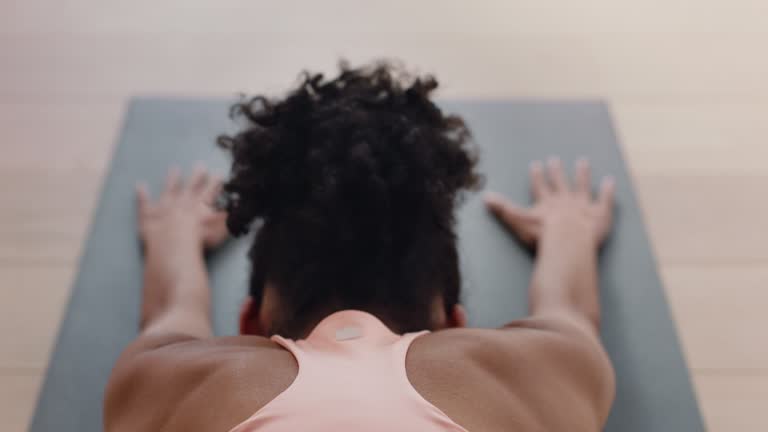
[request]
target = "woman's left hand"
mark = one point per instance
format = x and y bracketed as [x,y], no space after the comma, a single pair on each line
[184,213]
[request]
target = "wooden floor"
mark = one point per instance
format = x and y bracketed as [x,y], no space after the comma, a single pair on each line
[687,81]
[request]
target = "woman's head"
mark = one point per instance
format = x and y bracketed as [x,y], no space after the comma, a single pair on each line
[355,181]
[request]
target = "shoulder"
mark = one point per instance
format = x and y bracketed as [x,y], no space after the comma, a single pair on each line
[537,364]
[167,387]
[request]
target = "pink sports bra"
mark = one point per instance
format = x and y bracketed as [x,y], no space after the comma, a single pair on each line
[351,377]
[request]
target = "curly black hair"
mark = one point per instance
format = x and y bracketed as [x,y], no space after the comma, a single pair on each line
[356,180]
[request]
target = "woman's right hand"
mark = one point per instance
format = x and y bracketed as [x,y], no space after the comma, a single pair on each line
[562,207]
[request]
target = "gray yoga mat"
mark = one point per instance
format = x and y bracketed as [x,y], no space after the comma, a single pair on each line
[654,391]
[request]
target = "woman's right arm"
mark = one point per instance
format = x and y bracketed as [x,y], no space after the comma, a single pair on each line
[565,227]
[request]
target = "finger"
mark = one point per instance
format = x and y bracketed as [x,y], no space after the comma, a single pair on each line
[511,214]
[607,192]
[557,174]
[198,181]
[142,197]
[216,230]
[212,189]
[583,177]
[173,181]
[539,184]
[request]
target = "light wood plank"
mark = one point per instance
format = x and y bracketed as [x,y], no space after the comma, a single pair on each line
[693,138]
[529,16]
[62,136]
[44,215]
[733,402]
[470,65]
[18,394]
[706,219]
[32,302]
[55,155]
[720,313]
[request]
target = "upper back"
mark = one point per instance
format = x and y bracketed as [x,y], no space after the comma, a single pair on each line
[447,380]
[351,375]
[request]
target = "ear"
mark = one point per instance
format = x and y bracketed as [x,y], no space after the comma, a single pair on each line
[249,318]
[457,316]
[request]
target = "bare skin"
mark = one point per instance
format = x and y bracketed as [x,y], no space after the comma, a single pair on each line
[547,372]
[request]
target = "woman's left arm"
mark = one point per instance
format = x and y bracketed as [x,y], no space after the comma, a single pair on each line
[176,229]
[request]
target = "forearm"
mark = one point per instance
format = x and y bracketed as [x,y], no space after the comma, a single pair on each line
[176,296]
[565,277]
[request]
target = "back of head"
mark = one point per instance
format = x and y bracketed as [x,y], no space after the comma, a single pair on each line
[356,180]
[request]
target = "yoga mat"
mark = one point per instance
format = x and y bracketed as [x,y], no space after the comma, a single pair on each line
[653,387]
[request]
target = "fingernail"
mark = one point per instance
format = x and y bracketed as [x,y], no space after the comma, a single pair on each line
[535,165]
[582,160]
[554,160]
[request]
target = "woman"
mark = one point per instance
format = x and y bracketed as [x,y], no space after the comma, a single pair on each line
[353,320]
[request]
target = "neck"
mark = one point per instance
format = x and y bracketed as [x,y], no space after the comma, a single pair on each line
[300,329]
